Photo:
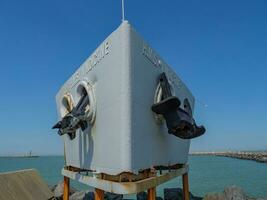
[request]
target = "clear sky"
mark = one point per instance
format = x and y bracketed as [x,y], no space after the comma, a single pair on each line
[218,48]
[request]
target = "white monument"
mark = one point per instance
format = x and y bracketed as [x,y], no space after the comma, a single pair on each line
[105,109]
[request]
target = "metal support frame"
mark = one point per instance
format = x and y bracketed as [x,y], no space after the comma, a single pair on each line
[148,184]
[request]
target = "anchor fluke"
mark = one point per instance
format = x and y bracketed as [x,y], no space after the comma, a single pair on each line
[74,120]
[179,121]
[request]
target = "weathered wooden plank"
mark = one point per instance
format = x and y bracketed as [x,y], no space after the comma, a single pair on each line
[23,185]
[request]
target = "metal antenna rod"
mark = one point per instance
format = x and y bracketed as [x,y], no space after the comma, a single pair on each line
[122,9]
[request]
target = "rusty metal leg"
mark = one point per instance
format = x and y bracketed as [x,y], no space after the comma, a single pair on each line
[151,193]
[99,194]
[66,188]
[185,187]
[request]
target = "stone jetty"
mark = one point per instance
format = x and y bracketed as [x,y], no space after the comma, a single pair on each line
[258,156]
[229,193]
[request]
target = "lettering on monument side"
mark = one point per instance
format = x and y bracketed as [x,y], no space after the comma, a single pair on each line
[148,52]
[91,62]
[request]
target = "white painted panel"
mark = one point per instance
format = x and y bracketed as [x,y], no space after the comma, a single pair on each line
[123,73]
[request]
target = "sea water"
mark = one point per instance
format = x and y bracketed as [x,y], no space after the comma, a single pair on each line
[207,173]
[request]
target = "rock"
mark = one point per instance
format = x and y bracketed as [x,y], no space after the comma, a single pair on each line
[52,188]
[82,195]
[177,194]
[112,196]
[173,194]
[141,196]
[229,193]
[234,193]
[214,196]
[58,191]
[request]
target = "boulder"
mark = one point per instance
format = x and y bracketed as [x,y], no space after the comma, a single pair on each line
[214,196]
[177,194]
[234,193]
[82,195]
[58,190]
[229,193]
[263,159]
[52,188]
[143,196]
[112,196]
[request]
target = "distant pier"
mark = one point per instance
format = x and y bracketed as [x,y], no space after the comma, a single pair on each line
[28,155]
[258,156]
[23,156]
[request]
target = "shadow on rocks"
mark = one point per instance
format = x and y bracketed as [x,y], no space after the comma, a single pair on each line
[177,194]
[112,196]
[143,196]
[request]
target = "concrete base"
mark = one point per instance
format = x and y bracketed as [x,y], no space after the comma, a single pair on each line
[23,185]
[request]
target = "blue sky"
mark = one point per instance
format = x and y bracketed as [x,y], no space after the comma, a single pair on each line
[218,48]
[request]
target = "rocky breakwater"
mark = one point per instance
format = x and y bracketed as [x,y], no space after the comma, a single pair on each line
[169,194]
[258,156]
[229,193]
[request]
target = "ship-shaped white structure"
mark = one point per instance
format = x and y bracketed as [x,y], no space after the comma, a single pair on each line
[122,133]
